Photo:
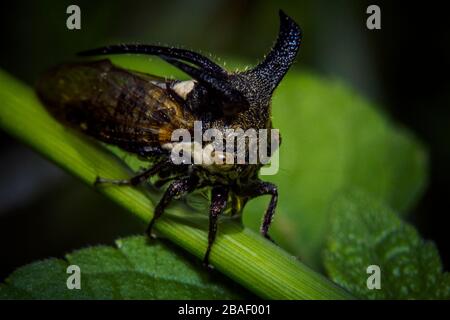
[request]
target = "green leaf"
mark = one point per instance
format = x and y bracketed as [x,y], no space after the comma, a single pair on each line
[364,232]
[133,270]
[332,139]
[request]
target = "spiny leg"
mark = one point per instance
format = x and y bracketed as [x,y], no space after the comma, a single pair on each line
[260,188]
[137,179]
[219,197]
[161,182]
[176,189]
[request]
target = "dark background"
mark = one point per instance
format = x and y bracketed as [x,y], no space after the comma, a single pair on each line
[405,67]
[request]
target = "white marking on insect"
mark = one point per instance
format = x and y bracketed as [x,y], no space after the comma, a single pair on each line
[183,88]
[194,153]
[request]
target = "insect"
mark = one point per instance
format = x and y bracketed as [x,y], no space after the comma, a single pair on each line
[139,112]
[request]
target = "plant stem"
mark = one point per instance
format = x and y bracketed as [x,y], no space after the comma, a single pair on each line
[238,252]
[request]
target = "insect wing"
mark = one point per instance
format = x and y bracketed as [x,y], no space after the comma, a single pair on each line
[114,105]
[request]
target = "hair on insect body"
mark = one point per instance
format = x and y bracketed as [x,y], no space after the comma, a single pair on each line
[139,113]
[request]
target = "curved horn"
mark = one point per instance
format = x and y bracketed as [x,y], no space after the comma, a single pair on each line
[183,54]
[272,70]
[219,85]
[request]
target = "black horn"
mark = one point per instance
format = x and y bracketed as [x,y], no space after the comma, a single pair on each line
[176,53]
[272,70]
[213,82]
[200,68]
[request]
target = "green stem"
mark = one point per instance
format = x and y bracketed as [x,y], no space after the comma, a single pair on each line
[238,252]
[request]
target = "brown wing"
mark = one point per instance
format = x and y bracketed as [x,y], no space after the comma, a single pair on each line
[114,105]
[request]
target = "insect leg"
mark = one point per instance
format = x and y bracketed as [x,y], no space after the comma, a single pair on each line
[264,188]
[133,181]
[161,182]
[219,196]
[176,189]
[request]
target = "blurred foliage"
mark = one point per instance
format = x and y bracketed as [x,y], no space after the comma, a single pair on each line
[333,139]
[365,232]
[133,270]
